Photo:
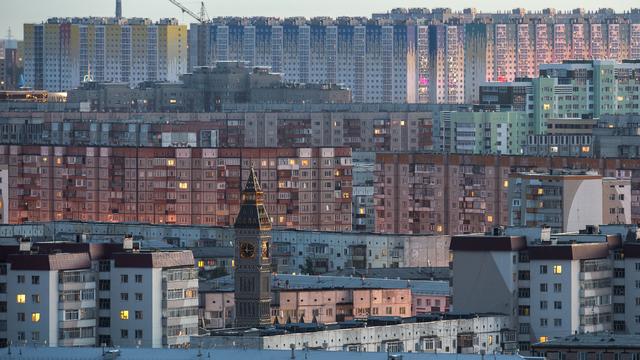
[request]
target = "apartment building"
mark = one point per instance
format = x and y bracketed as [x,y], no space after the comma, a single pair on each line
[552,284]
[213,246]
[568,201]
[78,294]
[307,188]
[62,52]
[488,132]
[206,89]
[329,299]
[446,334]
[415,57]
[456,193]
[367,127]
[573,90]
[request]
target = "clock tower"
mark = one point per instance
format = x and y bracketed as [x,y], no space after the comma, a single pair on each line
[252,256]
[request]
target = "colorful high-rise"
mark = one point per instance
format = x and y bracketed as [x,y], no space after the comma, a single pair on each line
[62,52]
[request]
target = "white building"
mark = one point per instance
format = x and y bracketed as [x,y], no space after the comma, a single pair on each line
[78,294]
[553,285]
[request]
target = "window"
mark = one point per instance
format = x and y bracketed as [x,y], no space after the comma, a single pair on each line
[543,269]
[402,310]
[138,296]
[124,278]
[124,296]
[543,305]
[35,280]
[124,315]
[388,310]
[543,322]
[124,333]
[21,298]
[104,304]
[35,317]
[35,298]
[557,287]
[543,287]
[557,305]
[138,334]
[104,322]
[138,278]
[20,279]
[104,285]
[544,339]
[138,315]
[71,315]
[183,185]
[557,269]
[104,266]
[21,316]
[35,336]
[190,293]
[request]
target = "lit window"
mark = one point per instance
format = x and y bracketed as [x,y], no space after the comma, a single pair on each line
[233,263]
[554,149]
[361,211]
[345,195]
[21,298]
[489,218]
[540,191]
[586,149]
[557,269]
[305,162]
[35,317]
[173,101]
[124,315]
[402,123]
[281,219]
[292,162]
[620,98]
[439,228]
[337,172]
[183,185]
[546,106]
[200,263]
[544,339]
[505,184]
[377,131]
[171,162]
[490,340]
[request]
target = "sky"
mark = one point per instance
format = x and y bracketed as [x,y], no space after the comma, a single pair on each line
[14,13]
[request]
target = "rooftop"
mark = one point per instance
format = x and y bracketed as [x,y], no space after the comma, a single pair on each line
[285,282]
[593,341]
[31,353]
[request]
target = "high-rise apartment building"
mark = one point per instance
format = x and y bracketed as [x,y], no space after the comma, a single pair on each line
[80,294]
[458,193]
[552,284]
[306,188]
[568,201]
[413,57]
[63,52]
[580,89]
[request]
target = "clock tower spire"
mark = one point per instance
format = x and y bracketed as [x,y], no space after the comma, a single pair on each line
[252,256]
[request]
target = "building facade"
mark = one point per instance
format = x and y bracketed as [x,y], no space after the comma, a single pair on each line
[62,52]
[304,188]
[417,56]
[79,294]
[566,201]
[553,285]
[457,193]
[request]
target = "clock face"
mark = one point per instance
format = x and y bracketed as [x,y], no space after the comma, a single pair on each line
[247,251]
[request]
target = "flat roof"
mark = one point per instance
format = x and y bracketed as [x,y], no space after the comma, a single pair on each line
[78,353]
[592,341]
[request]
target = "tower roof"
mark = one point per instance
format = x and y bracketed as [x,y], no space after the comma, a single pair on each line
[252,185]
[252,214]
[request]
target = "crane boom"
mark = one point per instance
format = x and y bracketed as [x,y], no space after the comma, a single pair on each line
[202,18]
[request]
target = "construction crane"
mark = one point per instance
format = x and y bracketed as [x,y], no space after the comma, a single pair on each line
[202,18]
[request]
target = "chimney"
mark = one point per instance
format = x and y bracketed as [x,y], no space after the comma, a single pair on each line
[119,9]
[127,242]
[25,244]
